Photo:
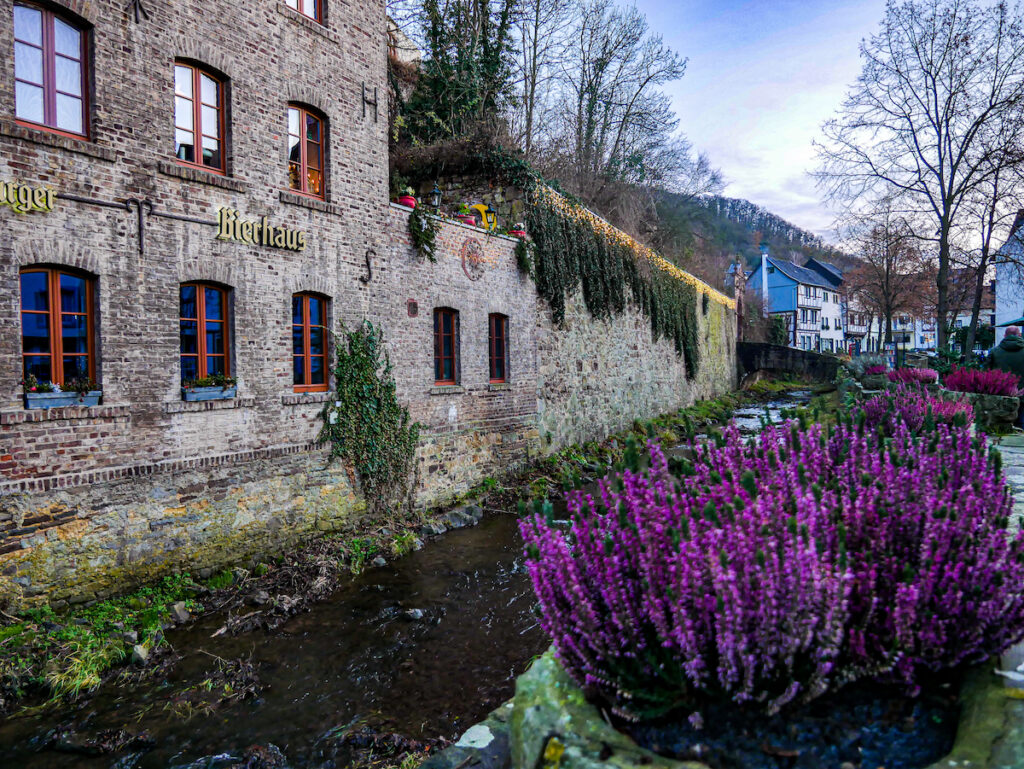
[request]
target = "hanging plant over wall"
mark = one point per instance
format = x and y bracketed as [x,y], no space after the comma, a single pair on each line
[525,258]
[574,249]
[364,422]
[423,230]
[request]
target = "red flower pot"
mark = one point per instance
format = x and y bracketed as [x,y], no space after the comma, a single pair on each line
[407,200]
[517,233]
[466,219]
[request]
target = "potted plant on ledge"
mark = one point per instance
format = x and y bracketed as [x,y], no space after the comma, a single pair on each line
[47,395]
[518,231]
[466,215]
[217,387]
[407,198]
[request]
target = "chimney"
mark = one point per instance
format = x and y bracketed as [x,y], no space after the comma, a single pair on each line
[764,277]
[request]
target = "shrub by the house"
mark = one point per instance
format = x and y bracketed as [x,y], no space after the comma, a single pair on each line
[915,407]
[987,382]
[914,375]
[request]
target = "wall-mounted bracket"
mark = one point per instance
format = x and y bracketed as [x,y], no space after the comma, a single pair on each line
[370,102]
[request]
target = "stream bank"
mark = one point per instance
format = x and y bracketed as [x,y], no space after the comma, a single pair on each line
[387,665]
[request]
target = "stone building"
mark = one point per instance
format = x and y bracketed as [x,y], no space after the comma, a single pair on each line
[183,198]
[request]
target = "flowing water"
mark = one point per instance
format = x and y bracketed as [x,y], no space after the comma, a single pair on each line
[422,647]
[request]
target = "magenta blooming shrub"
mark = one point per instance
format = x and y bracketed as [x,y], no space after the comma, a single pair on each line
[991,382]
[876,369]
[914,375]
[913,406]
[767,572]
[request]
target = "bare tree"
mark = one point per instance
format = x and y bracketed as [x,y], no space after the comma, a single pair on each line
[939,80]
[991,211]
[616,114]
[542,29]
[890,276]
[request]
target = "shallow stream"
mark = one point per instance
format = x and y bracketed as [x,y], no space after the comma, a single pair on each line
[422,647]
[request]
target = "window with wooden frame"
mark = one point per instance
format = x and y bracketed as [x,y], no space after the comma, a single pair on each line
[205,330]
[305,151]
[199,123]
[57,321]
[446,346]
[498,347]
[309,343]
[50,85]
[311,8]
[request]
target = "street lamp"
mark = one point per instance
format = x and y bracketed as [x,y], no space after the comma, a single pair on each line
[435,197]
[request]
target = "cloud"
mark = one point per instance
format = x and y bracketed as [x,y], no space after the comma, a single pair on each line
[763,76]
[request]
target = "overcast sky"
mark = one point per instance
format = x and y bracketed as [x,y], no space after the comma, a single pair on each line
[762,76]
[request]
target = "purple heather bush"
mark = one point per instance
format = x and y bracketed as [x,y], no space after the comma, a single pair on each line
[876,369]
[991,382]
[914,407]
[770,571]
[914,375]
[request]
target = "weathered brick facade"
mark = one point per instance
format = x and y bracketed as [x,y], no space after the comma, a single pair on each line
[93,499]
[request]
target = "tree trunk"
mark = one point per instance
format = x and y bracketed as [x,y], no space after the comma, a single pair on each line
[942,285]
[979,292]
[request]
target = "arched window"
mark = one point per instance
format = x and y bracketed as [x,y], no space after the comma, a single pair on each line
[57,325]
[498,347]
[199,123]
[305,151]
[205,329]
[311,8]
[309,342]
[49,70]
[446,346]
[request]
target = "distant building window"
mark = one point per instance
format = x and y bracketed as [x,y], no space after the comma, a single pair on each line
[56,325]
[49,70]
[198,118]
[204,331]
[305,152]
[446,346]
[498,347]
[309,343]
[310,8]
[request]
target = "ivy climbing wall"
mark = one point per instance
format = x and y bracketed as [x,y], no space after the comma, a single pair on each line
[578,370]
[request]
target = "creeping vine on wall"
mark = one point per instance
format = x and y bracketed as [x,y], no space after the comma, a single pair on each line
[364,422]
[423,230]
[574,249]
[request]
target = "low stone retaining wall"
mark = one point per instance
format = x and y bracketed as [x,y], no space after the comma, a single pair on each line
[549,724]
[990,411]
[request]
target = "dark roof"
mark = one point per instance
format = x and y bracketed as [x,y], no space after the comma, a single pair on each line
[827,270]
[799,274]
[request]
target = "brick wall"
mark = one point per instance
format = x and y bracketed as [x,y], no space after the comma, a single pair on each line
[95,499]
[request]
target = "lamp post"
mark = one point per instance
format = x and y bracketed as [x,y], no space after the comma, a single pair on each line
[435,198]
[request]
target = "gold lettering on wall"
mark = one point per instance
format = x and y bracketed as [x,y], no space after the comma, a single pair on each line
[23,198]
[258,233]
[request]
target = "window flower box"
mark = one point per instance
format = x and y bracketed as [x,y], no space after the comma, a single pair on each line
[215,393]
[53,400]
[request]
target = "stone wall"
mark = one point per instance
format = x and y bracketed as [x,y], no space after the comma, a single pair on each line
[598,376]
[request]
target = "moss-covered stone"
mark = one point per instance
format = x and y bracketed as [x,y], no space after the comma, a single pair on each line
[554,727]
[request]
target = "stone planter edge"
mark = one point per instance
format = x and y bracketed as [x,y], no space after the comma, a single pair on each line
[541,724]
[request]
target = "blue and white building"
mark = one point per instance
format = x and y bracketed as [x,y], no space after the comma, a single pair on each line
[809,301]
